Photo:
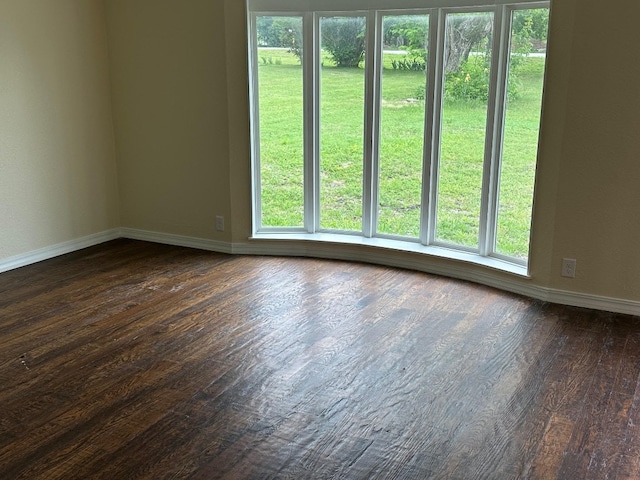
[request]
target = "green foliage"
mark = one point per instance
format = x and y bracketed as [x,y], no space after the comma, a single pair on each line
[267,36]
[411,64]
[471,81]
[408,32]
[402,127]
[531,24]
[283,32]
[530,28]
[465,33]
[292,39]
[271,60]
[277,31]
[344,39]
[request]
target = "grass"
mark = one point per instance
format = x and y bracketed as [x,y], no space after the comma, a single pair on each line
[401,146]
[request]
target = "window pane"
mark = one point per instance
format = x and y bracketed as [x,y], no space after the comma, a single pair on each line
[341,122]
[402,124]
[522,124]
[464,117]
[280,105]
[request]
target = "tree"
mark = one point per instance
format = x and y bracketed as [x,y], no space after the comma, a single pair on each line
[291,38]
[410,33]
[344,39]
[264,29]
[530,26]
[465,32]
[283,32]
[533,23]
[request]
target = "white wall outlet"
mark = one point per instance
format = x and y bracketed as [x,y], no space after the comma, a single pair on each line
[569,267]
[219,223]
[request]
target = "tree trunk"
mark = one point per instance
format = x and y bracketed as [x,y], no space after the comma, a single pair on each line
[464,32]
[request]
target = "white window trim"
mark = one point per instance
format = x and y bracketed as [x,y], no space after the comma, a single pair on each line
[341,6]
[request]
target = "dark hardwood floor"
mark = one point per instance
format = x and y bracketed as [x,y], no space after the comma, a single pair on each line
[133,360]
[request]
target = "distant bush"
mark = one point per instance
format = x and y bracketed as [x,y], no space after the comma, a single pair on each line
[411,64]
[344,39]
[284,32]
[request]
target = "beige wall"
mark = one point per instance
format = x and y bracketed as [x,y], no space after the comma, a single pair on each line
[169,77]
[179,91]
[597,218]
[587,194]
[57,171]
[239,141]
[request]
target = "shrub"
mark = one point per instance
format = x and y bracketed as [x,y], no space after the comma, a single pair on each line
[471,81]
[411,64]
[344,39]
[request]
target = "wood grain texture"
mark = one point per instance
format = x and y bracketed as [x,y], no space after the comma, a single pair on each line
[132,360]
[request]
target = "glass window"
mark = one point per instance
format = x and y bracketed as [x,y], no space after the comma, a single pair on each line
[414,124]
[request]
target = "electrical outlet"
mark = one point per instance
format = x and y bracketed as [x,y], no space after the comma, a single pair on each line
[220,223]
[569,267]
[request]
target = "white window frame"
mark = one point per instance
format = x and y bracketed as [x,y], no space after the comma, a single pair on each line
[375,10]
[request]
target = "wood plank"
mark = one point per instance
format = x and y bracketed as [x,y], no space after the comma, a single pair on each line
[136,360]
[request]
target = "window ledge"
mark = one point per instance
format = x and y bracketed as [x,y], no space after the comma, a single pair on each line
[400,246]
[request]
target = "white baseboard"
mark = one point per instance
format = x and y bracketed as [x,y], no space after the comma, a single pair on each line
[488,277]
[56,250]
[608,304]
[177,240]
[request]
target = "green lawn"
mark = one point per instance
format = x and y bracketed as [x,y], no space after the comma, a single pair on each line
[402,125]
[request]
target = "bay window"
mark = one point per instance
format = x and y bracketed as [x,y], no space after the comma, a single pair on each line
[410,122]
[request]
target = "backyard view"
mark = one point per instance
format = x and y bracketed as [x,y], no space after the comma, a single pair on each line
[401,134]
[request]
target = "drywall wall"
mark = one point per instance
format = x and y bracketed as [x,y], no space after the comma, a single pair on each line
[596,218]
[551,141]
[168,70]
[239,131]
[57,165]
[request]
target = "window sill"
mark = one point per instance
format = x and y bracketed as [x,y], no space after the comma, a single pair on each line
[400,246]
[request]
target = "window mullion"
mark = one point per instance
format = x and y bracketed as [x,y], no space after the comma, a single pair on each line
[373,59]
[311,62]
[494,135]
[338,6]
[433,122]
